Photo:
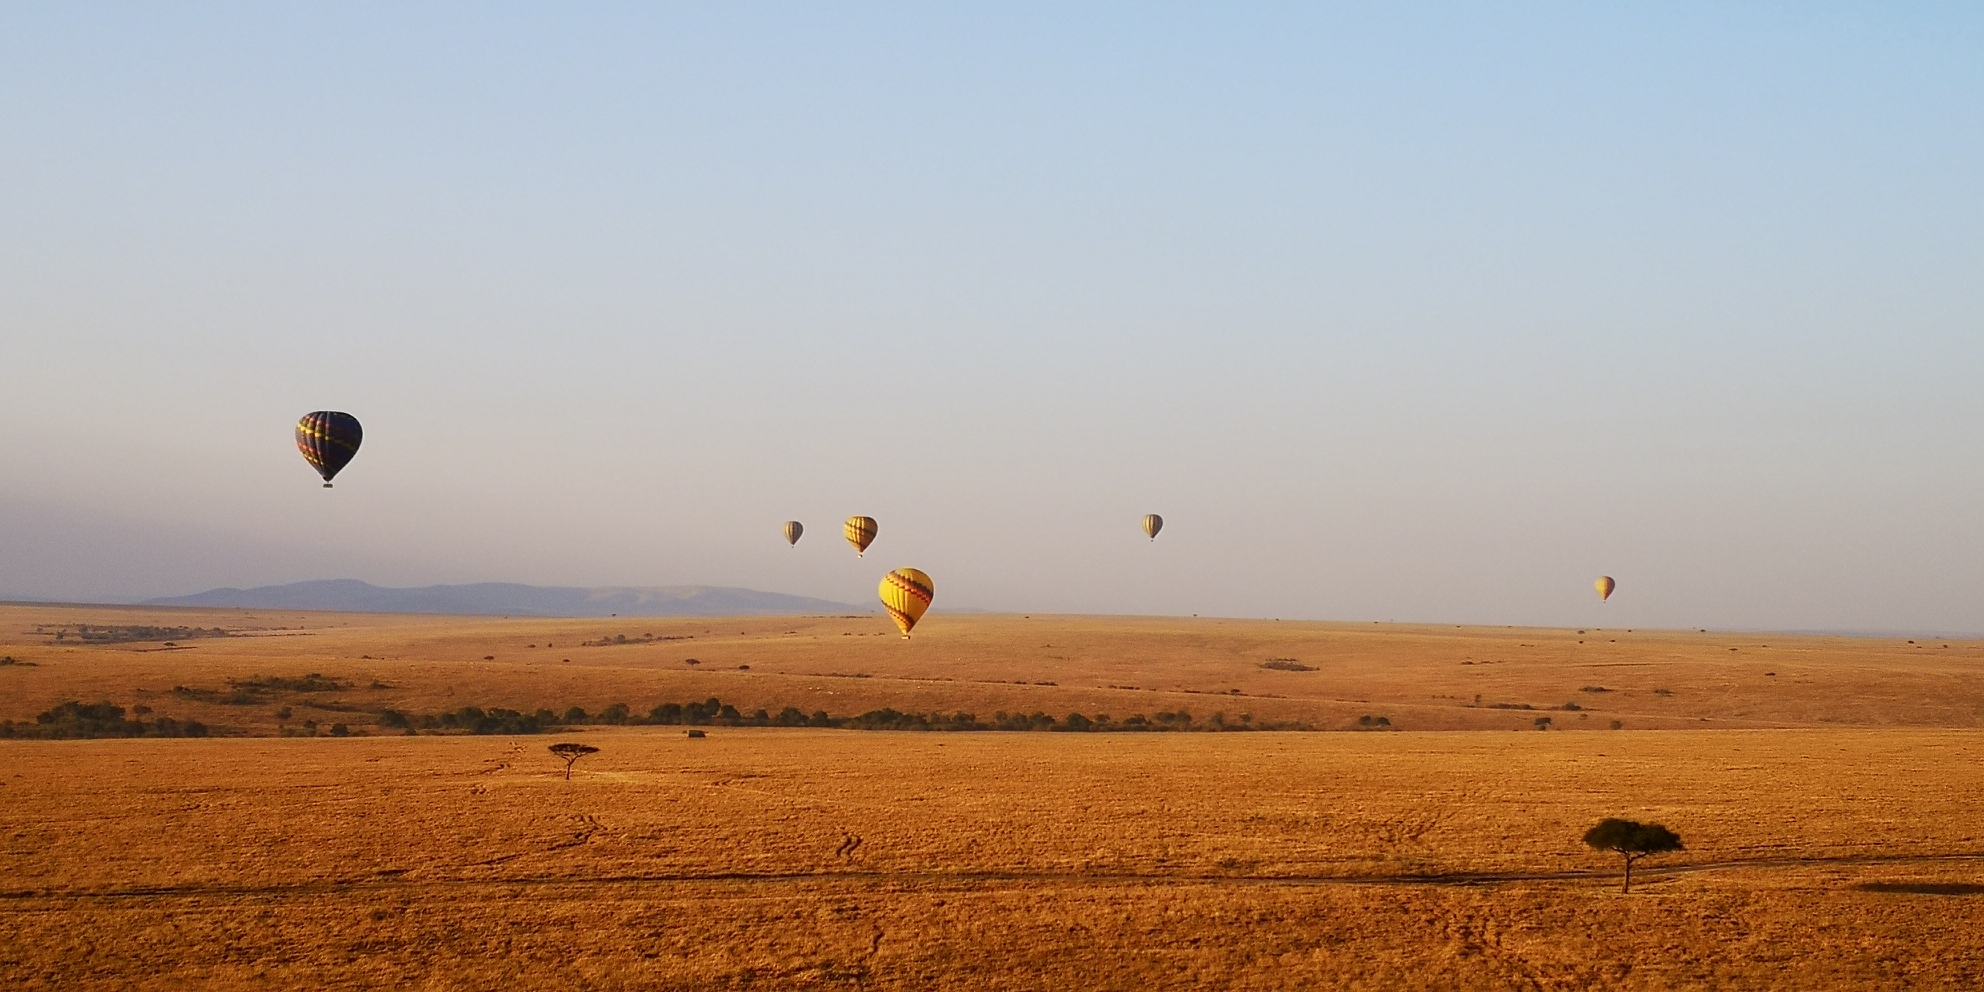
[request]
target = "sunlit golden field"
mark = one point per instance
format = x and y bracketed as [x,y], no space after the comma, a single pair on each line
[1829,791]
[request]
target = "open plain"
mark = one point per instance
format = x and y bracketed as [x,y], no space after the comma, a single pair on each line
[1423,833]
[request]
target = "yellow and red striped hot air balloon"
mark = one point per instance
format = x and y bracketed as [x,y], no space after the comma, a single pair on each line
[860,532]
[328,439]
[1605,585]
[906,593]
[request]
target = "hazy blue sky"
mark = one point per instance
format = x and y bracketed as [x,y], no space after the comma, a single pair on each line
[1394,311]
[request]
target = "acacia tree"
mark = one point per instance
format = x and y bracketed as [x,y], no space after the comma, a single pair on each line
[572,752]
[1632,840]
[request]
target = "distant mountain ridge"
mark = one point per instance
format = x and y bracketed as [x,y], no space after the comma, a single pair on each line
[512,599]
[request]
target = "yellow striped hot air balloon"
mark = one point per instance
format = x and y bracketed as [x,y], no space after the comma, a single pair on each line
[1152,524]
[1605,585]
[793,529]
[906,593]
[860,532]
[328,440]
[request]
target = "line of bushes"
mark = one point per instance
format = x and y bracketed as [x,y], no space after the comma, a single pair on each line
[83,721]
[715,712]
[125,634]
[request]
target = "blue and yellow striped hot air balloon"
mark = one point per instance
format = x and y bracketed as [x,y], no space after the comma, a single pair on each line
[328,440]
[906,593]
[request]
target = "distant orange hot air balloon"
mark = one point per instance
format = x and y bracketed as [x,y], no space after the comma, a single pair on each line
[906,593]
[1605,585]
[860,532]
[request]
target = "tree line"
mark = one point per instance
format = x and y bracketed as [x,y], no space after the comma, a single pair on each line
[714,712]
[84,721]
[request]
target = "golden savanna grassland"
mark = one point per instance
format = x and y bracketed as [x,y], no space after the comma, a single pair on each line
[1829,791]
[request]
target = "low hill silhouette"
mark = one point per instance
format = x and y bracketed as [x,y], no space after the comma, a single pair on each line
[513,599]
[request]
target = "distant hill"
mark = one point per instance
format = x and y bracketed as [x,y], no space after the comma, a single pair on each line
[512,599]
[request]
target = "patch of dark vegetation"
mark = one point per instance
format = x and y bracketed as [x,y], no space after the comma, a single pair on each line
[88,721]
[94,634]
[1663,692]
[1594,688]
[312,728]
[259,690]
[1570,707]
[1286,665]
[1924,888]
[1369,722]
[715,712]
[1510,706]
[313,682]
[619,639]
[335,707]
[10,660]
[220,696]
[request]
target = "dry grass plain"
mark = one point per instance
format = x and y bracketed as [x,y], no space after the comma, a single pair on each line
[1829,790]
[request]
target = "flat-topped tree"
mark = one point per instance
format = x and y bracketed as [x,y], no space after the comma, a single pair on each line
[1632,840]
[572,752]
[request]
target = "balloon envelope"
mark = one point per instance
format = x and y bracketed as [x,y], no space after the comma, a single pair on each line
[1152,524]
[328,439]
[793,529]
[860,532]
[906,593]
[1605,585]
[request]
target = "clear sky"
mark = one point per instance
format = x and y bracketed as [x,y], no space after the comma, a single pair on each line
[1394,311]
